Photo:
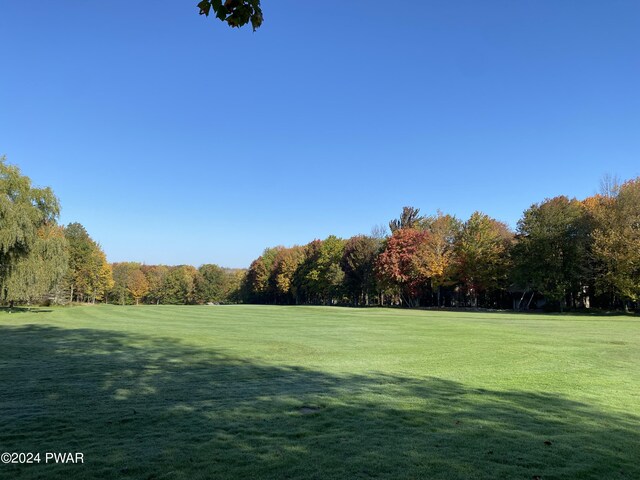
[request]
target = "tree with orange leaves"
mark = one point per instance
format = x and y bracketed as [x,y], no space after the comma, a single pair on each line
[435,257]
[137,284]
[616,242]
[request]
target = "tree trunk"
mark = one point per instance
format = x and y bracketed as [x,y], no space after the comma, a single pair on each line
[529,303]
[521,300]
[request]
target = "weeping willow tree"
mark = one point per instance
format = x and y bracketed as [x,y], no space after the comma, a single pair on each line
[31,250]
[36,275]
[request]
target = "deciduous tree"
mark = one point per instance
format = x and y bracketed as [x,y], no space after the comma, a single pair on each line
[358,263]
[179,285]
[285,265]
[320,276]
[396,265]
[435,257]
[483,255]
[552,252]
[209,283]
[89,274]
[257,282]
[121,272]
[616,242]
[233,287]
[156,275]
[137,285]
[409,218]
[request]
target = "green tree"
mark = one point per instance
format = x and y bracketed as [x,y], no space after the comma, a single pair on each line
[35,275]
[319,277]
[483,256]
[552,251]
[121,273]
[89,275]
[304,278]
[25,214]
[178,287]
[409,218]
[211,284]
[358,263]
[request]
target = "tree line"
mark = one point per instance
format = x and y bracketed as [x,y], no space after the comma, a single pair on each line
[565,253]
[89,278]
[43,262]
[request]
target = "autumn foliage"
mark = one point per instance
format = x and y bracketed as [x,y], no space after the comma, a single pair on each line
[565,253]
[399,263]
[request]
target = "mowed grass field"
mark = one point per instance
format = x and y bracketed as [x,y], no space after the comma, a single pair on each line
[240,392]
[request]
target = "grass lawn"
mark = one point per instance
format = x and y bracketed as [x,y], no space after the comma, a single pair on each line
[242,392]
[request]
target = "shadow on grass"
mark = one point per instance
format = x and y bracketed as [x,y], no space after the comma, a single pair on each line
[149,408]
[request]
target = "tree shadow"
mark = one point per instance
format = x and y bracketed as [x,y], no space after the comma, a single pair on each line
[150,408]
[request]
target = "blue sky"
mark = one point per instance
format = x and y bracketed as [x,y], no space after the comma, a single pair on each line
[175,139]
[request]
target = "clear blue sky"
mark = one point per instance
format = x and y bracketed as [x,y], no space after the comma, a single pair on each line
[175,139]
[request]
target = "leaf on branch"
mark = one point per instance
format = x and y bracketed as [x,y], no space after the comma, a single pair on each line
[235,12]
[204,7]
[221,13]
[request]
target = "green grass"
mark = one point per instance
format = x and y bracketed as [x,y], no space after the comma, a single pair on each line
[311,392]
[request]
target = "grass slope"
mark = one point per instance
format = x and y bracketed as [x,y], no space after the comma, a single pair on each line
[313,392]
